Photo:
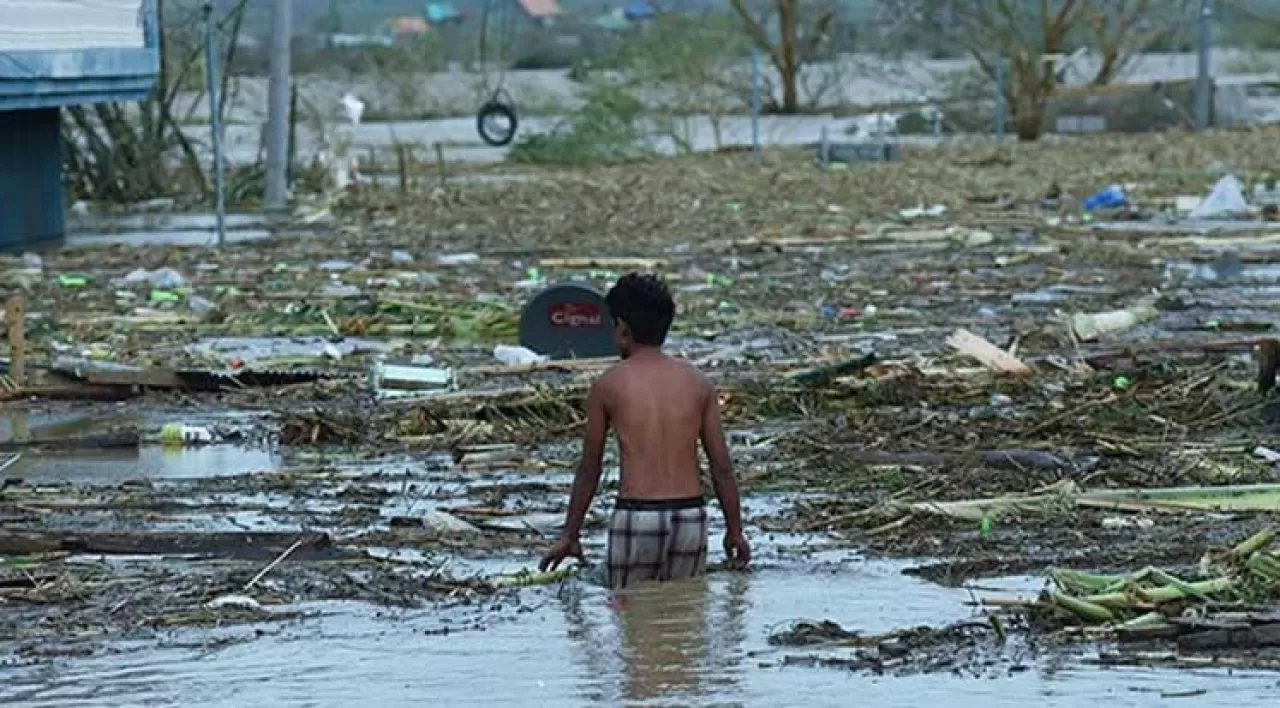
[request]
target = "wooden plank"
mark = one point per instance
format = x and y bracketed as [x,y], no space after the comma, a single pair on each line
[235,545]
[15,316]
[604,262]
[148,378]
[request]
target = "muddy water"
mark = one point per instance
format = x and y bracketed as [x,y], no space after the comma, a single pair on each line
[112,467]
[698,643]
[678,644]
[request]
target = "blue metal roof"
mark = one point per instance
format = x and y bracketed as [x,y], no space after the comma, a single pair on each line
[638,10]
[46,79]
[440,12]
[36,79]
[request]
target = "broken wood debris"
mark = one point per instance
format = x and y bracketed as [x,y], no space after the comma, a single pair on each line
[105,374]
[243,546]
[993,357]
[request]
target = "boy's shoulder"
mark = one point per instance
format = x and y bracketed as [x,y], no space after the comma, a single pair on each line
[668,365]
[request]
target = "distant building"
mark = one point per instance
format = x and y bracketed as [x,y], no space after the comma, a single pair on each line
[56,53]
[408,26]
[359,40]
[639,11]
[541,12]
[612,21]
[442,13]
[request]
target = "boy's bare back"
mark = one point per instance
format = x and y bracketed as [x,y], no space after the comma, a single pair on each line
[657,406]
[660,408]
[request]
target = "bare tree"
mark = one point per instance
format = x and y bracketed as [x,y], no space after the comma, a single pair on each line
[797,43]
[123,152]
[1124,29]
[1027,35]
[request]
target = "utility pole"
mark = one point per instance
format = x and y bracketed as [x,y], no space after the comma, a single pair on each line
[756,100]
[215,121]
[1204,78]
[278,106]
[334,23]
[1001,108]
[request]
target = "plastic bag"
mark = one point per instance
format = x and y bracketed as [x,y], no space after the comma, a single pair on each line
[517,356]
[1226,200]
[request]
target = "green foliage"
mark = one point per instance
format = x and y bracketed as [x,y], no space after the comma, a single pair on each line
[677,66]
[426,54]
[676,47]
[605,129]
[547,56]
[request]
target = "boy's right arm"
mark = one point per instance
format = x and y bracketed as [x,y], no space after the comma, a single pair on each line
[726,487]
[585,482]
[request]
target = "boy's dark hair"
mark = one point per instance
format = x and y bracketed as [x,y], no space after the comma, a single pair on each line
[643,301]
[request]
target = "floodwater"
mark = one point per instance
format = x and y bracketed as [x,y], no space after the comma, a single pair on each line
[699,643]
[113,466]
[163,229]
[696,643]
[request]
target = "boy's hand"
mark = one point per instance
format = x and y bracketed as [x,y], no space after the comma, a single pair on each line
[737,550]
[564,548]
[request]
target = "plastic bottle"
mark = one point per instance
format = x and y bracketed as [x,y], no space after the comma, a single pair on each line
[179,434]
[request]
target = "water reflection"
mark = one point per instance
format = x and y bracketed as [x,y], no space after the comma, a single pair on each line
[663,639]
[677,642]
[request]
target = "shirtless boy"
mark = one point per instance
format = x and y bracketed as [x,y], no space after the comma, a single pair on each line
[660,408]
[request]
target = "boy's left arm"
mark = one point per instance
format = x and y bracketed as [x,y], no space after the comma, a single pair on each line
[584,483]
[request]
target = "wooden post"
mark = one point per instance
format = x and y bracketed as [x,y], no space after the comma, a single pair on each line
[17,341]
[441,164]
[402,164]
[290,165]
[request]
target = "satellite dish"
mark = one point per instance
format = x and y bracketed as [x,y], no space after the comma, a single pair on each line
[568,321]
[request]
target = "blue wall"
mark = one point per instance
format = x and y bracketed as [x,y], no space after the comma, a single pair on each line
[32,199]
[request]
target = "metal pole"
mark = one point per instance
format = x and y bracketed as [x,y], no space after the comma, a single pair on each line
[1204,78]
[756,101]
[277,196]
[215,121]
[1000,107]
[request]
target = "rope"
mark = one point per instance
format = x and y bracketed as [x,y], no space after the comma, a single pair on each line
[504,36]
[503,41]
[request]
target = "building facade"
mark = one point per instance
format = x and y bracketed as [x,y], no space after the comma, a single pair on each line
[56,53]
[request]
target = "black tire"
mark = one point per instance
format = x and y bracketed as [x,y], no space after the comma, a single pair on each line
[497,109]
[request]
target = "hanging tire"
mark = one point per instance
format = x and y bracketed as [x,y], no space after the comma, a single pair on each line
[490,120]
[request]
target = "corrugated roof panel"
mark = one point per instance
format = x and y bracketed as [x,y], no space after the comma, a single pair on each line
[540,8]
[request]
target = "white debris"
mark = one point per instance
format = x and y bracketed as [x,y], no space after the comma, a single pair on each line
[163,278]
[241,601]
[517,356]
[1226,200]
[1266,453]
[354,108]
[445,523]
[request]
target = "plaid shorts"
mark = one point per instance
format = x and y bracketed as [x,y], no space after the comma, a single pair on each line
[657,540]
